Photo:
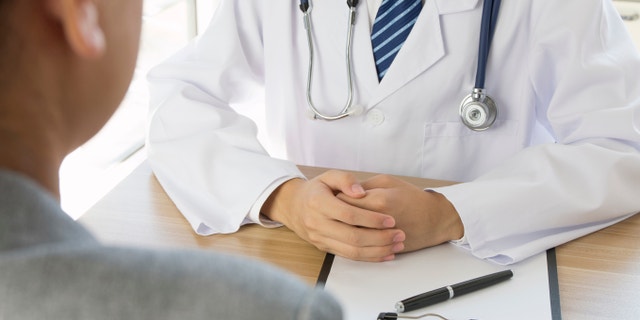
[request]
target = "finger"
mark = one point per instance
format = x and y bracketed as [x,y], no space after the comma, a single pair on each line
[356,216]
[329,234]
[362,237]
[377,200]
[382,181]
[344,182]
[371,254]
[333,208]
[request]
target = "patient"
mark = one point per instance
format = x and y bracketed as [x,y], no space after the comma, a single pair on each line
[64,68]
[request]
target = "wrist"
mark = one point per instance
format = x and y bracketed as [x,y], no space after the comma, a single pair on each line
[278,204]
[452,223]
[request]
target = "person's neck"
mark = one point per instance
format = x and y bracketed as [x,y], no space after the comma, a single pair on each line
[28,148]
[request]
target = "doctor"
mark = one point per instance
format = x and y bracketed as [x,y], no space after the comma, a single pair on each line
[230,120]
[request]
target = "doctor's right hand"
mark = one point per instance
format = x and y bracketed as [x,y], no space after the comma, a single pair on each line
[312,210]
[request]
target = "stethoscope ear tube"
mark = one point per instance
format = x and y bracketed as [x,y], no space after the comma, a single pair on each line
[348,108]
[304,5]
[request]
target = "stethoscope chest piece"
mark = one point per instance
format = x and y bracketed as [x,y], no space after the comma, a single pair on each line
[478,111]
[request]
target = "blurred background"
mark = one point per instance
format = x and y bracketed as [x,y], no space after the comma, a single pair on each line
[89,172]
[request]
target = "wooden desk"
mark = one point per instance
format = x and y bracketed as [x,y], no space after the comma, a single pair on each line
[599,275]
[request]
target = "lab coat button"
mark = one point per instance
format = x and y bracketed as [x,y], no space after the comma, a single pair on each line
[374,117]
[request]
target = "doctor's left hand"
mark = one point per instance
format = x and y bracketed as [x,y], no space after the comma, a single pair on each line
[426,217]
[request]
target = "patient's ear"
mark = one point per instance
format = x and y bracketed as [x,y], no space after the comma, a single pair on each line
[80,23]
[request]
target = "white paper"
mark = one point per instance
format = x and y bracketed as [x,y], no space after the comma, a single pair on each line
[366,289]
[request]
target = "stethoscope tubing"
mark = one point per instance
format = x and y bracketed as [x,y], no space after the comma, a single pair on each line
[487,27]
[490,12]
[308,26]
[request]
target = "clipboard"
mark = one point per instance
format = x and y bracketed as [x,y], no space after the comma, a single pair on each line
[366,289]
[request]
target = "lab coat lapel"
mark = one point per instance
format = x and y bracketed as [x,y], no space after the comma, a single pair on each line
[364,67]
[423,48]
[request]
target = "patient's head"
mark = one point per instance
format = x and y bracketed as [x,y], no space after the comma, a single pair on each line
[65,66]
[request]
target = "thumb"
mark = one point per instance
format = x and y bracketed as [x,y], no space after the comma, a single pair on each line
[355,191]
[344,182]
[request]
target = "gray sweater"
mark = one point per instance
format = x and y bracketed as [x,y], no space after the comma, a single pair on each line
[52,268]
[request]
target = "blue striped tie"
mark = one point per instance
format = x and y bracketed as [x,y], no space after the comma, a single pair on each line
[393,23]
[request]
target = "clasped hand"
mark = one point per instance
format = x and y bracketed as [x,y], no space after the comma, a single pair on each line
[372,220]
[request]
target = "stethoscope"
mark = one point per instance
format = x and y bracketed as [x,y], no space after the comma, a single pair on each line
[349,108]
[477,110]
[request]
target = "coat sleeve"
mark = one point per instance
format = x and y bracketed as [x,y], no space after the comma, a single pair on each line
[206,155]
[585,73]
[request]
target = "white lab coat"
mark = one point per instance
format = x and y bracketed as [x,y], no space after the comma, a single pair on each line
[561,161]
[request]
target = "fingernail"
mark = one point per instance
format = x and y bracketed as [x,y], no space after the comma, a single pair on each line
[398,247]
[389,222]
[399,237]
[389,257]
[357,189]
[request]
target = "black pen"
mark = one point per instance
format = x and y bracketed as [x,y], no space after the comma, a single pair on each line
[449,292]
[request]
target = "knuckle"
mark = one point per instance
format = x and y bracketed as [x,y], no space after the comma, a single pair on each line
[384,178]
[348,216]
[354,238]
[314,203]
[331,173]
[310,223]
[381,203]
[339,175]
[315,239]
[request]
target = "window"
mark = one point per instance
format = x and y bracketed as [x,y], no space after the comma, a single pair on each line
[89,172]
[630,12]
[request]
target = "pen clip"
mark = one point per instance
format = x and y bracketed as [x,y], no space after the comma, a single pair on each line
[393,316]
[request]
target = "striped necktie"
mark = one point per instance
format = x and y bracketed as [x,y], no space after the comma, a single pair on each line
[394,21]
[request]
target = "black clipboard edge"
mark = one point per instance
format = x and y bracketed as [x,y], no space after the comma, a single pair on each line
[324,271]
[554,288]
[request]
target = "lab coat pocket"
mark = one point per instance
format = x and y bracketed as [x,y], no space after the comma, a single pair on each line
[454,152]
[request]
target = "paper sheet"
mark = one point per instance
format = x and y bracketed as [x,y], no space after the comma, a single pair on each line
[365,289]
